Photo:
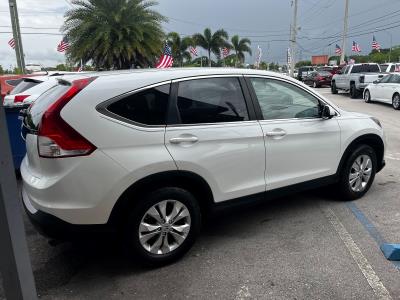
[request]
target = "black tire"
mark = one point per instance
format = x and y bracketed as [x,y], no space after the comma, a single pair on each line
[345,188]
[333,88]
[396,101]
[131,226]
[367,96]
[353,91]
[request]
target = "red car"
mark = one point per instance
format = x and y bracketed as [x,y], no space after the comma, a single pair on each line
[318,78]
[8,82]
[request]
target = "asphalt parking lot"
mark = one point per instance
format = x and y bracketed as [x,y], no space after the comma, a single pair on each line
[305,246]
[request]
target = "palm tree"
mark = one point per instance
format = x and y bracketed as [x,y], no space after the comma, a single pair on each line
[114,33]
[211,42]
[180,47]
[240,46]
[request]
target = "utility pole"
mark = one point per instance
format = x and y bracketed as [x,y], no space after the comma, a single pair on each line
[293,38]
[19,52]
[345,29]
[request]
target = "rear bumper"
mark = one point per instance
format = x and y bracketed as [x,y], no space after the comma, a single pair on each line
[53,227]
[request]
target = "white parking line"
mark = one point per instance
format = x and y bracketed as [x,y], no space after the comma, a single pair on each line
[373,280]
[393,156]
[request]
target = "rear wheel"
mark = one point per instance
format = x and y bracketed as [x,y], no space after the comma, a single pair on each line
[333,88]
[353,91]
[367,96]
[358,173]
[163,226]
[396,101]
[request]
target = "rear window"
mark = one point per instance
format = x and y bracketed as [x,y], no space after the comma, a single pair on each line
[147,107]
[324,73]
[14,82]
[365,68]
[41,104]
[384,67]
[23,86]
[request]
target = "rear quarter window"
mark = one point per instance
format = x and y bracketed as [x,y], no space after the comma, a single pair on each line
[148,107]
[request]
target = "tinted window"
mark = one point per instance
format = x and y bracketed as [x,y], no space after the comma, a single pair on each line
[23,86]
[14,82]
[281,100]
[366,68]
[41,104]
[392,68]
[146,107]
[395,78]
[384,67]
[211,100]
[385,79]
[324,73]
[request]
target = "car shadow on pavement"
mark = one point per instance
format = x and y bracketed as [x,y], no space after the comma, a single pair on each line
[55,266]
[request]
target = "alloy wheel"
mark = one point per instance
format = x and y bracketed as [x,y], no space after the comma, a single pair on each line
[164,227]
[360,173]
[367,96]
[396,101]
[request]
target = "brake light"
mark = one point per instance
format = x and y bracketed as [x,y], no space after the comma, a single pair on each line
[20,98]
[56,138]
[320,78]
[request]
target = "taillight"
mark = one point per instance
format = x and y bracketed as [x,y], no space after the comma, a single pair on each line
[320,78]
[20,98]
[55,137]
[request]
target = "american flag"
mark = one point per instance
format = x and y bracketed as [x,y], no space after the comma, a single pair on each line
[375,44]
[12,43]
[166,59]
[193,50]
[63,45]
[355,47]
[338,50]
[225,52]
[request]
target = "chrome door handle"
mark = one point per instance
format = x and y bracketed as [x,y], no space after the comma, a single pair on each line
[276,133]
[189,139]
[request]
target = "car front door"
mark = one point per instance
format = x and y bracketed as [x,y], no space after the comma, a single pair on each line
[213,133]
[381,88]
[300,145]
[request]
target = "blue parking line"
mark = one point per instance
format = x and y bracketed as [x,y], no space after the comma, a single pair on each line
[372,230]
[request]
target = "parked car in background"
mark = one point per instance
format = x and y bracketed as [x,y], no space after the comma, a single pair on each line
[390,67]
[355,77]
[8,82]
[150,152]
[318,78]
[304,71]
[17,95]
[29,88]
[386,90]
[331,69]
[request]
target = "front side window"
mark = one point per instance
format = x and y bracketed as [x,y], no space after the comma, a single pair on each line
[392,67]
[147,107]
[385,79]
[282,100]
[395,78]
[211,100]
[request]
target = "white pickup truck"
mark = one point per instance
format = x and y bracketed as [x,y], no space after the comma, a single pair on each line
[354,78]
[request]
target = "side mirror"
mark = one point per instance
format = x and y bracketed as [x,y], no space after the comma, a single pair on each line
[327,113]
[375,81]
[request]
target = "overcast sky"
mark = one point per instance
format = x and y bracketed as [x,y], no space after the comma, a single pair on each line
[265,22]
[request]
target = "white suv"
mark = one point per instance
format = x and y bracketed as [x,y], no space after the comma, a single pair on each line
[150,152]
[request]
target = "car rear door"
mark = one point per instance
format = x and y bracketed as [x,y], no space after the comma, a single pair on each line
[381,88]
[212,132]
[300,145]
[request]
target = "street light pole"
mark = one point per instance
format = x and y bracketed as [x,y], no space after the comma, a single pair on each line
[17,35]
[345,29]
[293,39]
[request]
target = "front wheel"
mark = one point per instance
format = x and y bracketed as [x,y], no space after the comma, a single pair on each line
[396,102]
[333,88]
[358,173]
[163,226]
[367,96]
[353,92]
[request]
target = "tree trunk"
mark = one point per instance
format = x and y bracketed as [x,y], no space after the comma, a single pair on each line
[209,57]
[236,60]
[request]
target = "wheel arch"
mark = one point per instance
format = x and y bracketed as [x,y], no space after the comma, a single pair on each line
[189,181]
[372,140]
